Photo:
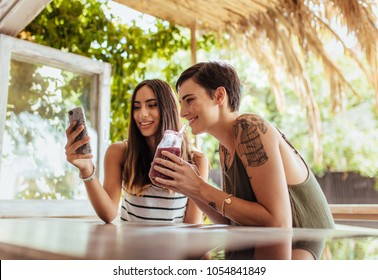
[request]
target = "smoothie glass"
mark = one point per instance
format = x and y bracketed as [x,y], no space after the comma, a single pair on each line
[171,142]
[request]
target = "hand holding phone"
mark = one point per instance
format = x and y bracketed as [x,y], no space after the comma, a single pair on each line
[77,114]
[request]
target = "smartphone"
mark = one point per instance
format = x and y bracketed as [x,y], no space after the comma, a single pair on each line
[78,115]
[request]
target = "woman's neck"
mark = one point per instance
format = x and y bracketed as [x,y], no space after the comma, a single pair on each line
[224,132]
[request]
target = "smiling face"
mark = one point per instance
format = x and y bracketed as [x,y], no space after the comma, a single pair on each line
[146,112]
[198,107]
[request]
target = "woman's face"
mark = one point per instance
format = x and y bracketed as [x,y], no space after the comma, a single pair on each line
[146,112]
[197,107]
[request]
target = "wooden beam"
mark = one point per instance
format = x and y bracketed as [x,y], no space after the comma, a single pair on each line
[193,48]
[193,43]
[5,58]
[19,14]
[367,212]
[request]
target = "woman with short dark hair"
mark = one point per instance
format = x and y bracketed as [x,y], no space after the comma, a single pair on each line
[265,180]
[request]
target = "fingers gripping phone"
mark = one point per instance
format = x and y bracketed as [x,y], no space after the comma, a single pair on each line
[77,114]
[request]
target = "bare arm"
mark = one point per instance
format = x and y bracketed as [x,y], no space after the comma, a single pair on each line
[193,213]
[105,200]
[257,145]
[210,208]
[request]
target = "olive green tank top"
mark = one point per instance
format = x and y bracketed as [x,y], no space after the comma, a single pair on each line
[309,206]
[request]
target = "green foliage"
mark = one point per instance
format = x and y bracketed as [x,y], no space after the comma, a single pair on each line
[362,248]
[34,96]
[82,27]
[350,134]
[349,143]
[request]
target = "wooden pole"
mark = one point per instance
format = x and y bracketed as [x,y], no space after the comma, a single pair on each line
[193,43]
[193,48]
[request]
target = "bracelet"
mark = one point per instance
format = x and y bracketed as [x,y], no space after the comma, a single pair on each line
[226,200]
[90,178]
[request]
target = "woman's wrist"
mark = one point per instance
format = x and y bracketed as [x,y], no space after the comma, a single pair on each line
[91,177]
[213,197]
[87,172]
[204,192]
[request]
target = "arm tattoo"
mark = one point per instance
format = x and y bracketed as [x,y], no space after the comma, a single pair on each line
[226,157]
[250,146]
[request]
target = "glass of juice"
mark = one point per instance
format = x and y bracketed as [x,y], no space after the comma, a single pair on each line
[171,142]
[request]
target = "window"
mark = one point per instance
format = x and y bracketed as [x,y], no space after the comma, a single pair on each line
[38,85]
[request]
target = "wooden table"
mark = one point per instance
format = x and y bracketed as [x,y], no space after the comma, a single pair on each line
[61,238]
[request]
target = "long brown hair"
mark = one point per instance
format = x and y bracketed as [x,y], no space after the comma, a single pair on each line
[138,156]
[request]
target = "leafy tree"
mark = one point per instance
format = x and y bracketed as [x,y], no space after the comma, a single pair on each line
[83,28]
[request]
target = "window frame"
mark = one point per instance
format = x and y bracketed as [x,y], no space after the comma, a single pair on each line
[16,49]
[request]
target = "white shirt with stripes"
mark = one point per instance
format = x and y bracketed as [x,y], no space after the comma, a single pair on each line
[155,205]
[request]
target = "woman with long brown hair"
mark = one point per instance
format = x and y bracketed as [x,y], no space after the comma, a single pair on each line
[154,109]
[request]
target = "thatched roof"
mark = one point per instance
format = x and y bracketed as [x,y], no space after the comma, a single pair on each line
[281,33]
[207,14]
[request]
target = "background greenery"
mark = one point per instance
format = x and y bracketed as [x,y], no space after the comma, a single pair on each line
[34,138]
[350,135]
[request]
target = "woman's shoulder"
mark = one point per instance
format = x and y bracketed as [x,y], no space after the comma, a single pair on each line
[249,118]
[253,127]
[252,123]
[198,156]
[121,145]
[117,148]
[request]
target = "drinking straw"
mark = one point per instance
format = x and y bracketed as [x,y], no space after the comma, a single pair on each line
[182,129]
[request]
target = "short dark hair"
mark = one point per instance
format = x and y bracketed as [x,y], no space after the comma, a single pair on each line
[214,74]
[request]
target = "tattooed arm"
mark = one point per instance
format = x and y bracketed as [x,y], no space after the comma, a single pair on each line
[209,208]
[257,145]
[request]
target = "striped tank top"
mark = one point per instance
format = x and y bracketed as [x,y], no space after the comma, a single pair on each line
[155,205]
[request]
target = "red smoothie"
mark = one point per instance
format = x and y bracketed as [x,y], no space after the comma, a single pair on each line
[153,173]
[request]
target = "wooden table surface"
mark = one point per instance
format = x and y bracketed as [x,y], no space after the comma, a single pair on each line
[63,238]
